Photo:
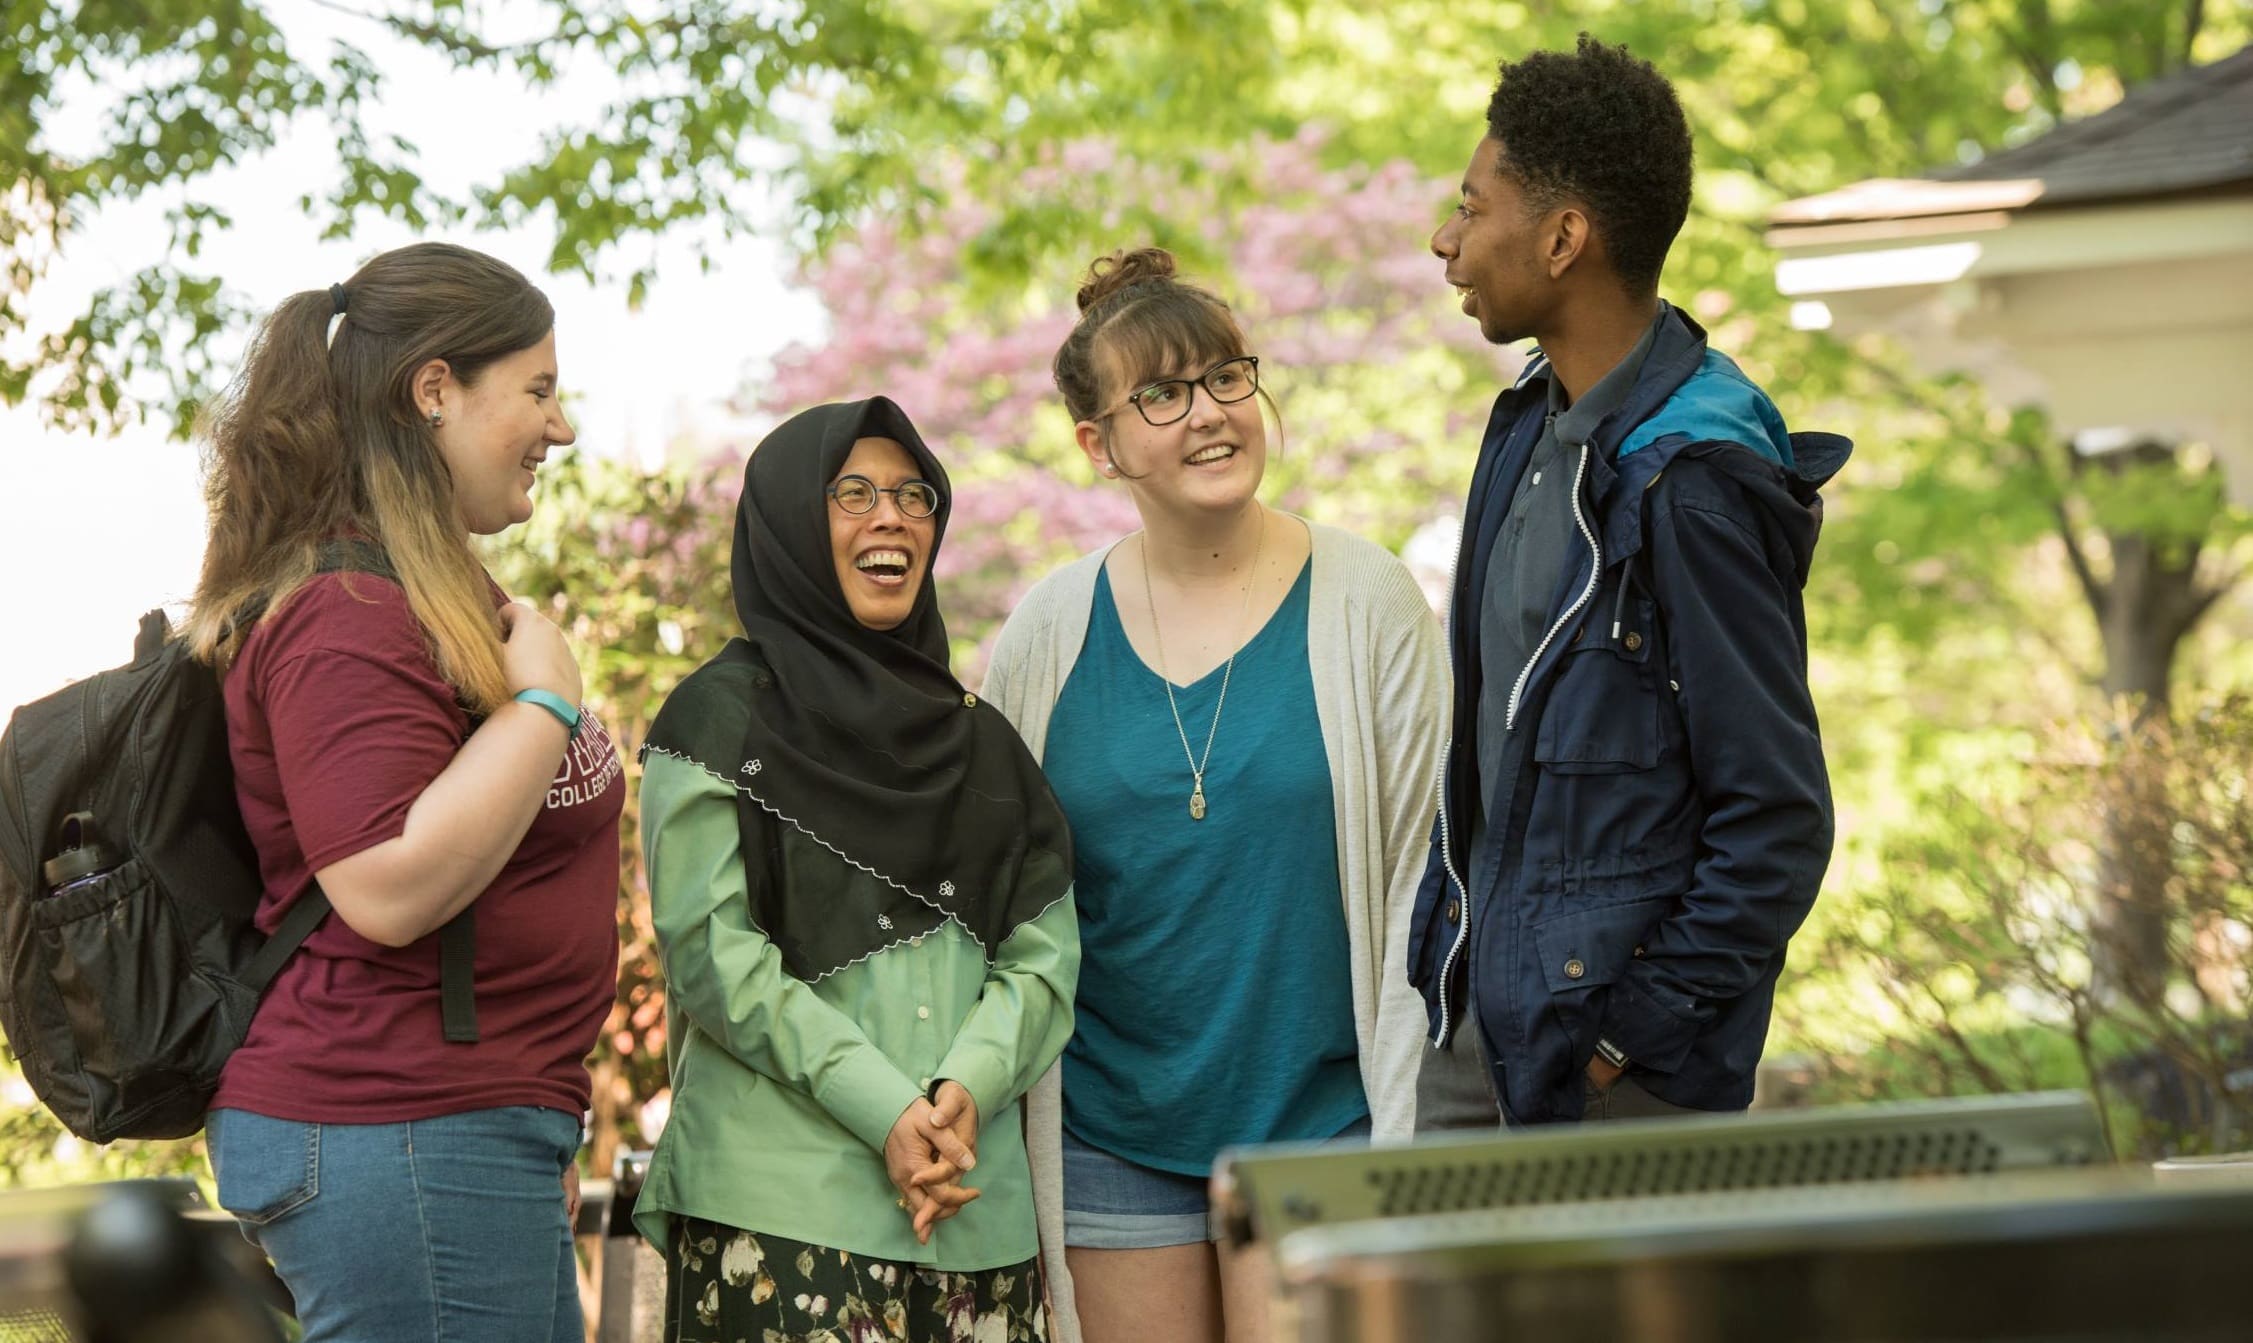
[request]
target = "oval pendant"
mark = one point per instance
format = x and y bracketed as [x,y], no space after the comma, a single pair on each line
[1197,804]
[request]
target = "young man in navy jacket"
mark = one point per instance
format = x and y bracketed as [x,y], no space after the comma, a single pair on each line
[1635,813]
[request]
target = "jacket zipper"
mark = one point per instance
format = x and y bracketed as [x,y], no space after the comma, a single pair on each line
[1447,843]
[1462,903]
[1595,575]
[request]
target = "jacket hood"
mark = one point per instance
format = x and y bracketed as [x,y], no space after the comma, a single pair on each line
[1692,404]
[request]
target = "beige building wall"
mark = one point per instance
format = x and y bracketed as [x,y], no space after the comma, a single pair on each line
[2136,320]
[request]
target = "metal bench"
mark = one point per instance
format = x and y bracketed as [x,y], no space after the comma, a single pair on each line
[2062,1256]
[1264,1194]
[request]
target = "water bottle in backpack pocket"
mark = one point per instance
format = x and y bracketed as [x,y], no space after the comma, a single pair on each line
[130,959]
[127,892]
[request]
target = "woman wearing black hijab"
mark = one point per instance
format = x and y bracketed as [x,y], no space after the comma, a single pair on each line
[861,887]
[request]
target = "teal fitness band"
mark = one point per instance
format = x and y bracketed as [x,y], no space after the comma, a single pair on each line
[555,704]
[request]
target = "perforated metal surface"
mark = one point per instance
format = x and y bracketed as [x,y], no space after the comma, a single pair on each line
[34,1326]
[1754,1164]
[2058,1256]
[37,1224]
[1268,1192]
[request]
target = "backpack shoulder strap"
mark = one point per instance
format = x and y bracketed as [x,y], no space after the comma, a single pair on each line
[297,925]
[457,960]
[350,555]
[457,941]
[457,986]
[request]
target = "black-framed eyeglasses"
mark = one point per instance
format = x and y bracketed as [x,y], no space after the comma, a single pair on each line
[857,494]
[1168,400]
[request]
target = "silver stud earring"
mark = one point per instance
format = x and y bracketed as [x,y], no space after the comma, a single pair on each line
[1110,470]
[437,417]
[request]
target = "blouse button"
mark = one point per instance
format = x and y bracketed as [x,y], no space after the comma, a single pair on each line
[923,1013]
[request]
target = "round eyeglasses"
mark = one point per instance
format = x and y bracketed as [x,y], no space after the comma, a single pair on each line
[857,494]
[1167,401]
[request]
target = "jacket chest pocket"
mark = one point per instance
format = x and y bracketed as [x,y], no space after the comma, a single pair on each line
[1602,713]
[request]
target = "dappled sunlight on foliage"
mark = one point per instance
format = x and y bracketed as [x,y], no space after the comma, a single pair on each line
[633,565]
[1971,958]
[951,166]
[1379,381]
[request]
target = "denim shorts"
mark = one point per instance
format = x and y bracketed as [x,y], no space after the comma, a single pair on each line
[444,1230]
[1111,1203]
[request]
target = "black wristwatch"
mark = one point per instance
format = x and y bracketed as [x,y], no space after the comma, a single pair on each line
[1611,1053]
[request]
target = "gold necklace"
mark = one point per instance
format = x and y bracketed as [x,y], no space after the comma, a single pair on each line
[1157,636]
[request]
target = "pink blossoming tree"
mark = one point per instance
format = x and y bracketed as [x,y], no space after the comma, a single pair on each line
[1377,377]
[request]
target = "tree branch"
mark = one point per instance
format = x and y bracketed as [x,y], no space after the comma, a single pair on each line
[464,44]
[2041,64]
[2092,587]
[2214,592]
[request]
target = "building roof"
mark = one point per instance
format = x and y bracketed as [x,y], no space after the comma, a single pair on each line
[2191,131]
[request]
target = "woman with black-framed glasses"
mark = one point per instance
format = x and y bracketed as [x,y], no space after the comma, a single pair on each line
[1241,712]
[861,887]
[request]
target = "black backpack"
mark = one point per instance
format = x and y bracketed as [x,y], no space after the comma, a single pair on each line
[127,890]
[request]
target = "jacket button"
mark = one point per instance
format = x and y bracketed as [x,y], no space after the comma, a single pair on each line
[969,701]
[1638,953]
[1454,911]
[1634,641]
[1578,632]
[1574,969]
[762,681]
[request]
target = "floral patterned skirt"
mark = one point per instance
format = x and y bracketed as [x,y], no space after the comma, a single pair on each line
[724,1285]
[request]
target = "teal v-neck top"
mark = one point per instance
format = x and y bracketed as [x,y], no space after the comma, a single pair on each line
[1215,1001]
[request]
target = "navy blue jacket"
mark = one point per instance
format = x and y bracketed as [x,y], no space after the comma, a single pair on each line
[1664,816]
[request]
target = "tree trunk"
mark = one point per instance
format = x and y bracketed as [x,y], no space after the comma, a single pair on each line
[2150,604]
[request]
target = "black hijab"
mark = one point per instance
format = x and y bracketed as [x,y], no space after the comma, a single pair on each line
[860,738]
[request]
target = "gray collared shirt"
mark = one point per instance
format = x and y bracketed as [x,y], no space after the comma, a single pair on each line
[1529,560]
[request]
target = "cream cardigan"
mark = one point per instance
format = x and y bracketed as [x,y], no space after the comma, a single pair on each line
[1381,691]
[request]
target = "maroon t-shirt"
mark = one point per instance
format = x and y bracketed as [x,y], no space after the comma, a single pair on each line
[337,719]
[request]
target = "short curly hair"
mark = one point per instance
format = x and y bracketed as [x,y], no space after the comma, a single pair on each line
[1603,129]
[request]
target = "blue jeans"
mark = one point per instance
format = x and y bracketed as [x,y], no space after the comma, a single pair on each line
[446,1230]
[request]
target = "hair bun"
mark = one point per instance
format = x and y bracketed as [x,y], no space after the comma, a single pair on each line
[1112,273]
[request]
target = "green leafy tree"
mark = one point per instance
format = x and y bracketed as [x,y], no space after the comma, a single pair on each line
[847,105]
[633,565]
[1960,534]
[1977,962]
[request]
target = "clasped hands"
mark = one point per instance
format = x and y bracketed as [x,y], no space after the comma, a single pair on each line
[929,1148]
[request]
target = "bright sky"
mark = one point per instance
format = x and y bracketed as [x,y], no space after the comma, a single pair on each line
[94,531]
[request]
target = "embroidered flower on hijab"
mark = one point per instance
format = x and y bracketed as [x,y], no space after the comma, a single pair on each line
[946,888]
[884,921]
[752,766]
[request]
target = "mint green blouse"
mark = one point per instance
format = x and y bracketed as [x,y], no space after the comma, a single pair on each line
[784,1091]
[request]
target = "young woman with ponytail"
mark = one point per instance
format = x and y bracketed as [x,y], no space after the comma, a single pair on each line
[410,739]
[1241,713]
